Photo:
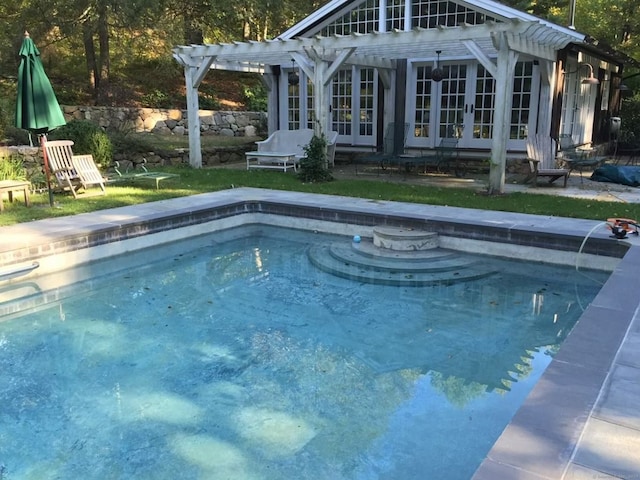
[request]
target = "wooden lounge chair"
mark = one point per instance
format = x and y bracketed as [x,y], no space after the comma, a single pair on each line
[541,155]
[72,172]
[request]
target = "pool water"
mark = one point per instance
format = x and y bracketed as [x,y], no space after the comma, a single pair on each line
[231,356]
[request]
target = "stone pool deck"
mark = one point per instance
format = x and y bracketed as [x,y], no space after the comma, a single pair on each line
[582,419]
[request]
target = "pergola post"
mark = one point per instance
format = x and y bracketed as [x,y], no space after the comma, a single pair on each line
[193,118]
[502,119]
[195,69]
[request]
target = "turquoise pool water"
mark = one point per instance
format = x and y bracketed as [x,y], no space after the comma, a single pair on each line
[231,356]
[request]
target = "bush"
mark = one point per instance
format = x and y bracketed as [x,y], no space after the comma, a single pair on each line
[313,166]
[88,138]
[630,116]
[156,99]
[12,168]
[255,98]
[17,136]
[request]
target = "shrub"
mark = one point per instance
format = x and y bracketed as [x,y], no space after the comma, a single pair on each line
[313,166]
[88,138]
[255,98]
[17,136]
[12,168]
[630,116]
[156,99]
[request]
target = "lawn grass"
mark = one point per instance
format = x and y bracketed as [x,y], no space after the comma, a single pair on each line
[193,181]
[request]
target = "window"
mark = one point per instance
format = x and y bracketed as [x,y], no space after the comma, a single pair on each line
[434,13]
[362,19]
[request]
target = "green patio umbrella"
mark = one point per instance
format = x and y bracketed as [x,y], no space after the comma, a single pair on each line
[37,108]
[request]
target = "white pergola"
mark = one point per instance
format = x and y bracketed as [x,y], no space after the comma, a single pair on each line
[496,45]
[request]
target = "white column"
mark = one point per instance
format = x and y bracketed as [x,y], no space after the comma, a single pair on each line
[546,99]
[195,149]
[502,118]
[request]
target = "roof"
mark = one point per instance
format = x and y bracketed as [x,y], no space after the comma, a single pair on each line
[489,7]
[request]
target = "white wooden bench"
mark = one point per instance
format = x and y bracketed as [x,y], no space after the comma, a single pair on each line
[283,149]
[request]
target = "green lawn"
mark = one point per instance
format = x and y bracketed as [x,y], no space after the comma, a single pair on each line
[193,181]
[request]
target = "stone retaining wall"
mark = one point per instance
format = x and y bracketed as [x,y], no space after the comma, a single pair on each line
[32,158]
[170,121]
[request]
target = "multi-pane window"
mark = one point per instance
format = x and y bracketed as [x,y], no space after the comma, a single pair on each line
[434,13]
[521,104]
[395,15]
[570,103]
[342,102]
[452,100]
[367,98]
[311,113]
[484,104]
[423,102]
[363,19]
[293,106]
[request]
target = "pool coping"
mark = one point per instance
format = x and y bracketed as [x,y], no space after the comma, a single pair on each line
[557,432]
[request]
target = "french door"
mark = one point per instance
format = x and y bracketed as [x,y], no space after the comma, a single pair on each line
[463,105]
[353,112]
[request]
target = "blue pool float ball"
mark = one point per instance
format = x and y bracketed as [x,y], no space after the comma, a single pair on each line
[356,238]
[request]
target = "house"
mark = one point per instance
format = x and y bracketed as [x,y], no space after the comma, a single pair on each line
[479,70]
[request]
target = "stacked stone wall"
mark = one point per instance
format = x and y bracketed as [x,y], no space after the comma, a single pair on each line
[170,121]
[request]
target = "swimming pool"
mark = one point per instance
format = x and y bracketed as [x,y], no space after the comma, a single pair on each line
[244,360]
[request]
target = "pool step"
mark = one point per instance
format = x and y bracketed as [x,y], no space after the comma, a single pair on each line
[404,239]
[367,263]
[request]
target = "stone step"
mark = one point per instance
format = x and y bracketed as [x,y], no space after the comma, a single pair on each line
[366,248]
[404,239]
[436,260]
[377,272]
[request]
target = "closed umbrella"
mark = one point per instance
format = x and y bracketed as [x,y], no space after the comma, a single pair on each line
[37,108]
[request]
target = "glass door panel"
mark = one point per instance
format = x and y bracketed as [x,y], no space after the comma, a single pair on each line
[452,101]
[341,104]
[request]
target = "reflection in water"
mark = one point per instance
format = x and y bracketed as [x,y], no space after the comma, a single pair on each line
[243,358]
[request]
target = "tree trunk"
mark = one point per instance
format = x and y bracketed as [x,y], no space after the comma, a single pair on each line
[105,61]
[90,55]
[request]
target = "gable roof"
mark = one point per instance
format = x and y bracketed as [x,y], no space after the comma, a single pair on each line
[310,24]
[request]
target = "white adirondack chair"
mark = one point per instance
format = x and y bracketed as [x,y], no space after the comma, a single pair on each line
[541,155]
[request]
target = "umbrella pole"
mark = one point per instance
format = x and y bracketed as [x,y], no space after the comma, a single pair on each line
[43,140]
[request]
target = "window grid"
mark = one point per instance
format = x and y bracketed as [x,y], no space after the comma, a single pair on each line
[395,15]
[521,104]
[311,113]
[570,108]
[366,101]
[434,13]
[341,102]
[363,19]
[293,107]
[452,100]
[484,104]
[423,102]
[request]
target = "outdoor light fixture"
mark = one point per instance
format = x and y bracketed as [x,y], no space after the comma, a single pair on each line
[294,78]
[590,80]
[437,74]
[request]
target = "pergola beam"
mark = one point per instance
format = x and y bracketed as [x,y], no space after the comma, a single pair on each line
[321,57]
